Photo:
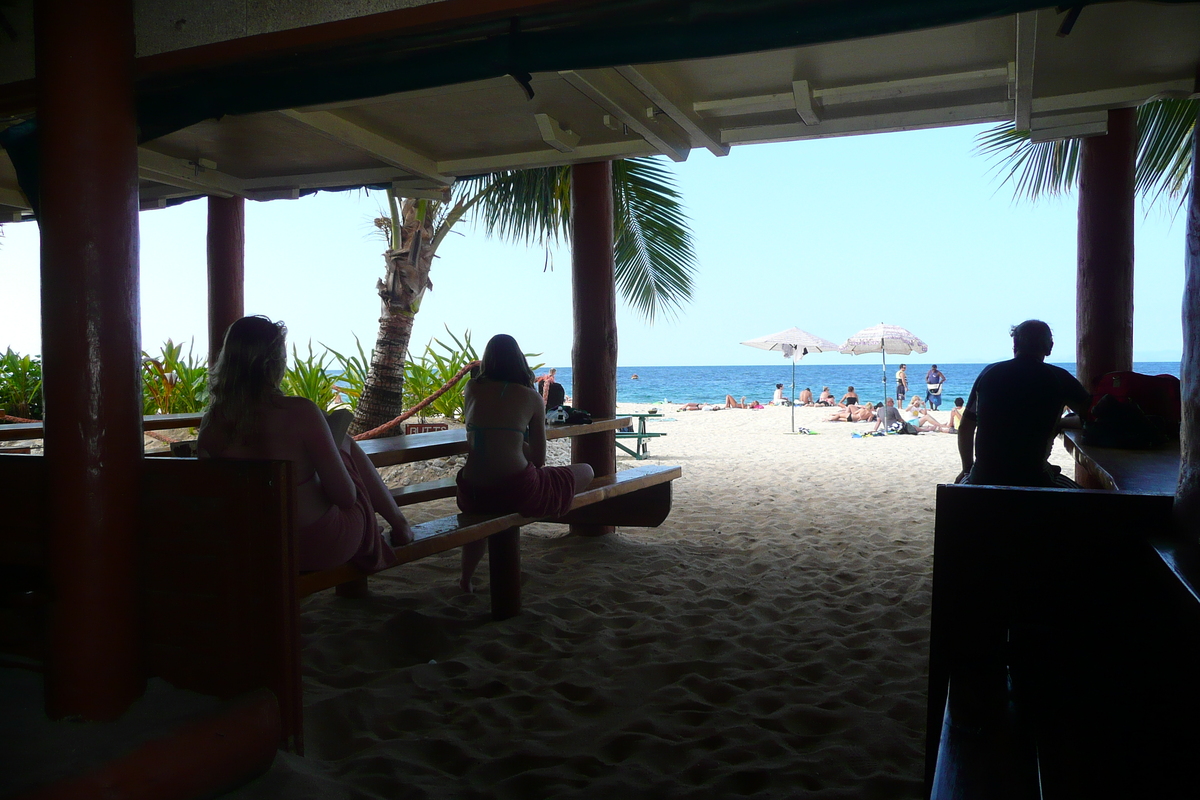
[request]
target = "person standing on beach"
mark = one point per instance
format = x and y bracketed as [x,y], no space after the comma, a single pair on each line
[1012,413]
[901,384]
[933,385]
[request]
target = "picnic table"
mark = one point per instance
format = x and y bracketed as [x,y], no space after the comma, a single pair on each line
[1116,469]
[641,435]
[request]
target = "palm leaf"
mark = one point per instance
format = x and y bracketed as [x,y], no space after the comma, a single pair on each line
[655,259]
[1039,169]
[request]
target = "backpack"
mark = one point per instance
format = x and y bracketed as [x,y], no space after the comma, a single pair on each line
[1156,395]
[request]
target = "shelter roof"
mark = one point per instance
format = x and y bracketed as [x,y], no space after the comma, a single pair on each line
[299,97]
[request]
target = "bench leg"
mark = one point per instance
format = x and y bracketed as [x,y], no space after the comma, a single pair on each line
[504,570]
[354,590]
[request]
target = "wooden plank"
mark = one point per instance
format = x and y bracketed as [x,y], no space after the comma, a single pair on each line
[1143,471]
[151,422]
[389,451]
[447,533]
[425,491]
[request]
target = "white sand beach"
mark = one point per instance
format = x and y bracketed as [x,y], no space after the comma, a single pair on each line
[768,640]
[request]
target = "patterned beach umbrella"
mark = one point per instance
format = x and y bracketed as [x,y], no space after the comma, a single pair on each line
[794,344]
[884,339]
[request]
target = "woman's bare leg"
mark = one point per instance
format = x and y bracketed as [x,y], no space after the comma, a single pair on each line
[472,554]
[381,497]
[583,476]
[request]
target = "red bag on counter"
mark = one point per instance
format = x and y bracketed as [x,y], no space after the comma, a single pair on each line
[1155,395]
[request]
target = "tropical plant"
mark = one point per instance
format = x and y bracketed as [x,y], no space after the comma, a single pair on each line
[174,383]
[425,375]
[349,384]
[21,385]
[655,261]
[1164,157]
[309,377]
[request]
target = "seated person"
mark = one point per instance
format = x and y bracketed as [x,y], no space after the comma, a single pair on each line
[890,419]
[806,397]
[915,404]
[506,438]
[850,398]
[337,489]
[927,422]
[956,413]
[778,399]
[826,398]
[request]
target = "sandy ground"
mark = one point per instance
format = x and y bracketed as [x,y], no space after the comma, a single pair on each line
[768,640]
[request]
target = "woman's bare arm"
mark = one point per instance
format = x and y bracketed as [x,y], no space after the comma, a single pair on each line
[318,442]
[536,452]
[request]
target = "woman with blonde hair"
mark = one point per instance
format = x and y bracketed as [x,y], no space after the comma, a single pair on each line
[506,437]
[336,487]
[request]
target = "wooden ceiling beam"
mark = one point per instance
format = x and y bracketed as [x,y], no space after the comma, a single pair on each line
[1022,94]
[196,176]
[338,128]
[616,96]
[662,90]
[548,158]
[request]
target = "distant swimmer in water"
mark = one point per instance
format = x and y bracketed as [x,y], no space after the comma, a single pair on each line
[633,377]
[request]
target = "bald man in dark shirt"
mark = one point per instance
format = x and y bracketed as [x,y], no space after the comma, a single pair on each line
[1013,413]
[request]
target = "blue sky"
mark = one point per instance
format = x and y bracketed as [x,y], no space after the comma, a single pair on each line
[831,236]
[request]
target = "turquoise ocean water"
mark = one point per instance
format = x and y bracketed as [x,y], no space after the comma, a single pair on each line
[710,384]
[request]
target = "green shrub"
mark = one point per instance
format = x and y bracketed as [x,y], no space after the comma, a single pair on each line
[349,385]
[21,385]
[173,383]
[425,375]
[310,378]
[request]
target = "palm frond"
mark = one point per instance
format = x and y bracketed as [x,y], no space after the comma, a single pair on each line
[1164,163]
[655,259]
[1039,169]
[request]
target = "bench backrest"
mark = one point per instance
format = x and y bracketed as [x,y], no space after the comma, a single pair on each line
[217,571]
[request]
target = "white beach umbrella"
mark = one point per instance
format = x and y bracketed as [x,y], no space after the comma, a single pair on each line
[795,344]
[884,339]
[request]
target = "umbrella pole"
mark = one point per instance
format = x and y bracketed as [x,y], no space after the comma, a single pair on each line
[793,395]
[884,348]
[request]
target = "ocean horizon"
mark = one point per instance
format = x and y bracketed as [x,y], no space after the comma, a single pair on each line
[676,385]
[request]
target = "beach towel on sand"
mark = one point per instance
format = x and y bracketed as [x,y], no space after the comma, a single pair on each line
[533,492]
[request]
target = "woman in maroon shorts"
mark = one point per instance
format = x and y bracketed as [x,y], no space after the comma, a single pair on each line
[506,434]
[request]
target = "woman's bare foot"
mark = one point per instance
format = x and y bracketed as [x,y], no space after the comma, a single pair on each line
[465,585]
[400,536]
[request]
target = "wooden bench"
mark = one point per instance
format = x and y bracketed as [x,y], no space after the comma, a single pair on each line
[1064,645]
[150,422]
[218,581]
[639,497]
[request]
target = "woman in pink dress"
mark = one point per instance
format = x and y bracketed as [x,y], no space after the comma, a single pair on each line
[337,489]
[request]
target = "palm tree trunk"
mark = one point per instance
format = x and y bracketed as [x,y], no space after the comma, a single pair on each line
[382,398]
[400,293]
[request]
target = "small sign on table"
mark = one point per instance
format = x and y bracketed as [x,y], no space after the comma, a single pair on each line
[424,427]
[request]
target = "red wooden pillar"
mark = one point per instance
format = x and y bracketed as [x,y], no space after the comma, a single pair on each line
[1104,277]
[594,355]
[90,346]
[226,268]
[1187,496]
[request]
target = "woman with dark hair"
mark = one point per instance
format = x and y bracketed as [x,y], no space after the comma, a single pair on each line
[506,437]
[337,488]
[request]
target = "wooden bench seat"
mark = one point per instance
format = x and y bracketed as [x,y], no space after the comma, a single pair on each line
[639,497]
[639,449]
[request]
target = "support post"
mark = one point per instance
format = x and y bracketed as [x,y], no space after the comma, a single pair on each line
[1104,277]
[1187,495]
[594,354]
[504,573]
[91,347]
[226,269]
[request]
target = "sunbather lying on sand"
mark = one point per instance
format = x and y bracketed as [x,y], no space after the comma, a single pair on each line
[731,403]
[853,413]
[698,407]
